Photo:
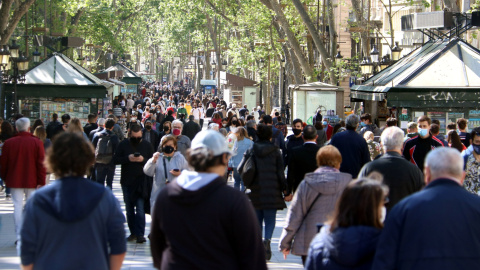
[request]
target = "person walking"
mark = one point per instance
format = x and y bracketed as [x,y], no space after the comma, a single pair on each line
[268,186]
[314,200]
[164,167]
[73,218]
[242,143]
[228,234]
[402,177]
[183,142]
[191,128]
[472,163]
[22,167]
[52,126]
[349,240]
[105,144]
[352,146]
[132,154]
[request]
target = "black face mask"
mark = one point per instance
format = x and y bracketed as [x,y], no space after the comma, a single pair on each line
[235,123]
[296,131]
[135,140]
[166,129]
[148,127]
[168,149]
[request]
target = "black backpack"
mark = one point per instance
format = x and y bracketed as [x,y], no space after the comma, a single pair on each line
[104,149]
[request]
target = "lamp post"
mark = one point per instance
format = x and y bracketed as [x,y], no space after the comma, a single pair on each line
[4,67]
[214,66]
[338,61]
[36,56]
[261,65]
[20,66]
[283,108]
[396,50]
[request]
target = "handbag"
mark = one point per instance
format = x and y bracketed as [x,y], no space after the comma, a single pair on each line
[248,168]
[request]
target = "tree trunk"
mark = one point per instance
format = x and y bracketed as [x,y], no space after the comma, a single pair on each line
[316,37]
[292,40]
[9,23]
[360,20]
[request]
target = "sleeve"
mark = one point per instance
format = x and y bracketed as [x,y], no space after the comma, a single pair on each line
[366,153]
[28,234]
[158,242]
[120,156]
[292,172]
[281,172]
[247,238]
[405,151]
[115,227]
[41,171]
[295,216]
[387,248]
[120,133]
[4,162]
[149,168]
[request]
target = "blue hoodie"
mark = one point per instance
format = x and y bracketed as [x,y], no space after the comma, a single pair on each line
[73,223]
[345,248]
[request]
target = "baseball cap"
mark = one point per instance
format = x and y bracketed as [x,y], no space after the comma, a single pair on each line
[212,140]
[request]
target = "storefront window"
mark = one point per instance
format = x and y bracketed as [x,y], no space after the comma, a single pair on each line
[43,108]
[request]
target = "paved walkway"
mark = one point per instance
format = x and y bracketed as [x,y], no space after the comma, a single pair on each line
[138,255]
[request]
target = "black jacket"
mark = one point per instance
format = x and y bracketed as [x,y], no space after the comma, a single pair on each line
[92,133]
[354,151]
[154,138]
[52,128]
[89,127]
[269,183]
[167,118]
[213,227]
[303,159]
[402,177]
[291,143]
[416,149]
[132,172]
[190,129]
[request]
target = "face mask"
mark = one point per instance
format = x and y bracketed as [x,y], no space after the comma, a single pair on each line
[166,128]
[235,123]
[422,132]
[135,140]
[363,124]
[176,131]
[224,125]
[325,123]
[168,149]
[148,127]
[384,214]
[296,131]
[158,111]
[476,148]
[134,119]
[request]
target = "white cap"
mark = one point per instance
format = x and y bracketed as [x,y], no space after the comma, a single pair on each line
[211,140]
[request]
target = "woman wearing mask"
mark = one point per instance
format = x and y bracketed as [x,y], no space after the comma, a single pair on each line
[164,167]
[242,144]
[268,186]
[350,239]
[167,130]
[232,123]
[313,201]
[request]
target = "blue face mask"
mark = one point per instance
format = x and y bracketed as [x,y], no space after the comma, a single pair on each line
[324,123]
[363,124]
[422,132]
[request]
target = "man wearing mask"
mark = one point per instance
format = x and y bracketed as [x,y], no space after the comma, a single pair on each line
[132,154]
[416,149]
[183,142]
[328,128]
[181,109]
[367,125]
[104,166]
[150,135]
[293,140]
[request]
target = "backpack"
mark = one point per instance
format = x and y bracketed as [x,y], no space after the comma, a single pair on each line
[248,168]
[104,149]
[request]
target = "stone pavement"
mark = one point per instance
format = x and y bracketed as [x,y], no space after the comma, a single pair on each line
[138,255]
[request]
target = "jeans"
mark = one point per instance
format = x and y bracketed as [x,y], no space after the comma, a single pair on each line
[17,199]
[201,123]
[269,216]
[103,171]
[135,212]
[238,180]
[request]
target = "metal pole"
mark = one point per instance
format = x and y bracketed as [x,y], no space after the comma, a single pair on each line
[283,109]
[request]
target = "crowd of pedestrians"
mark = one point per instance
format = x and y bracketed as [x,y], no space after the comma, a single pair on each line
[359,196]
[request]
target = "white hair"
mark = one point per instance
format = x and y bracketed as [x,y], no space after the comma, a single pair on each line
[392,139]
[101,121]
[22,124]
[352,121]
[444,162]
[177,122]
[367,135]
[213,126]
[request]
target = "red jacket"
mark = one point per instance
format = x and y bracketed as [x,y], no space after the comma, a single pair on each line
[21,162]
[329,132]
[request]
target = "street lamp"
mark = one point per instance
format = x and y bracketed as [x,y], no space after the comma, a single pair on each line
[36,56]
[14,49]
[338,58]
[366,66]
[385,62]
[224,64]
[396,50]
[374,54]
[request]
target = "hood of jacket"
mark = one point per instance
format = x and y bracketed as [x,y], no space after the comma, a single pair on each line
[327,180]
[264,148]
[191,188]
[351,246]
[71,198]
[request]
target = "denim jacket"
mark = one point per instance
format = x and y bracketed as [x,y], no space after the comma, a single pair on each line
[239,148]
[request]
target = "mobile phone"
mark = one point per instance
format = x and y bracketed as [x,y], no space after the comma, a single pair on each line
[136,154]
[176,170]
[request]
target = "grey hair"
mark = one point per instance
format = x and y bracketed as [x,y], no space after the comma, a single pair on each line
[392,139]
[101,121]
[367,135]
[351,122]
[213,126]
[251,124]
[22,124]
[177,122]
[444,162]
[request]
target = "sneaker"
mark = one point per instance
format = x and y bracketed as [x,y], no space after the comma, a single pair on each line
[132,237]
[141,240]
[268,250]
[8,196]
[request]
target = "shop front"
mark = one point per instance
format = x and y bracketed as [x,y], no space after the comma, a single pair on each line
[441,79]
[58,85]
[131,79]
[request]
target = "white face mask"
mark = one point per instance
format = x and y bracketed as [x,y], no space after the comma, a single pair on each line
[384,214]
